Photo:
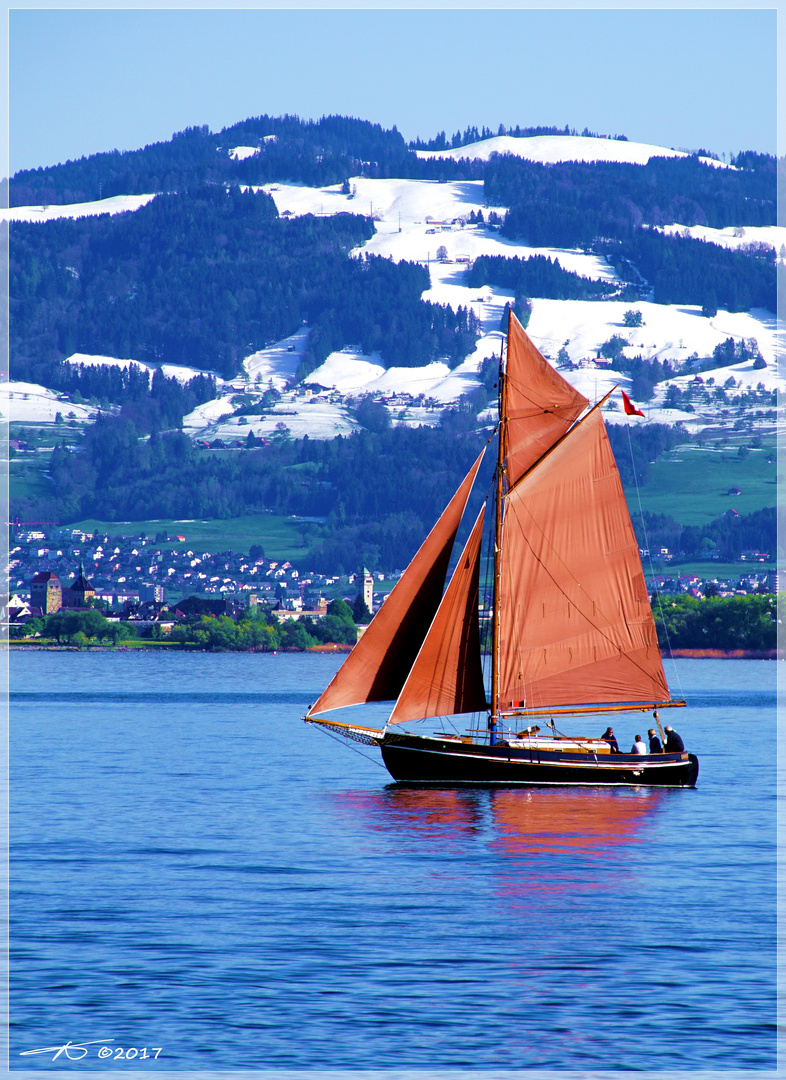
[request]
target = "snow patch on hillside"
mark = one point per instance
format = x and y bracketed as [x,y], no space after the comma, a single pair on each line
[240,153]
[745,375]
[277,363]
[409,201]
[117,204]
[210,412]
[670,332]
[551,149]
[29,403]
[414,219]
[315,417]
[351,374]
[347,371]
[773,236]
[171,371]
[464,243]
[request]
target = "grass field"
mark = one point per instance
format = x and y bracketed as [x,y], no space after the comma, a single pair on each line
[281,538]
[27,479]
[707,569]
[688,484]
[691,485]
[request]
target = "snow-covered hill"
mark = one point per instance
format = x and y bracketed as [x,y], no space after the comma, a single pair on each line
[29,403]
[550,149]
[773,236]
[118,204]
[414,219]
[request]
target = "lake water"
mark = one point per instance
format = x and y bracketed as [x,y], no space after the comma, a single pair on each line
[194,869]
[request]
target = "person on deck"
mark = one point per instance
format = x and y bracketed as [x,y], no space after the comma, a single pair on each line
[638,746]
[608,736]
[655,746]
[674,744]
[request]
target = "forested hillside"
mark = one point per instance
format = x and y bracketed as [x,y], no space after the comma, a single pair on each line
[537,275]
[611,208]
[311,152]
[209,273]
[206,277]
[379,492]
[575,202]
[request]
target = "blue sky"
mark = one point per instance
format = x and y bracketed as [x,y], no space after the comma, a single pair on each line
[88,80]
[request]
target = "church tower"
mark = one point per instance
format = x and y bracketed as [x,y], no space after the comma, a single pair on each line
[368,590]
[82,589]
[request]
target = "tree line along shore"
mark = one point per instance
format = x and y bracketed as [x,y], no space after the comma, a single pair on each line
[734,627]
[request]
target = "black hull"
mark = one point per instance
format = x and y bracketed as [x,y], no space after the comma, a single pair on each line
[412,759]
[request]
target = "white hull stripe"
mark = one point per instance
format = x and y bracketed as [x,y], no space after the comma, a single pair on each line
[617,767]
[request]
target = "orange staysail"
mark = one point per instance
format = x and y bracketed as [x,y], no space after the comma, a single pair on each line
[379,664]
[447,676]
[575,618]
[540,405]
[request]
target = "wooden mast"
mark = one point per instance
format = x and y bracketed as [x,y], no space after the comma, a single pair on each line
[500,477]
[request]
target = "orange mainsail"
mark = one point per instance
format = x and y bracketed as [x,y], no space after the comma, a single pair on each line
[379,664]
[575,618]
[447,676]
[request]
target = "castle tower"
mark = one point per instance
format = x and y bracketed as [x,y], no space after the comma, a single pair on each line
[46,593]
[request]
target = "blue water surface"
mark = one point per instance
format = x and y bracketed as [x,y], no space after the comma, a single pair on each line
[196,870]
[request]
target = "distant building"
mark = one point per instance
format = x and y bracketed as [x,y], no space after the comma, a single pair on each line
[283,613]
[368,589]
[46,593]
[16,611]
[68,534]
[148,592]
[77,594]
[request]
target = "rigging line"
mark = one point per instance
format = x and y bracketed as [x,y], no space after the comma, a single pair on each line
[347,746]
[572,602]
[649,558]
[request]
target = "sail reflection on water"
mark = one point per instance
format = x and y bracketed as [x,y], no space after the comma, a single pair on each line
[570,820]
[509,822]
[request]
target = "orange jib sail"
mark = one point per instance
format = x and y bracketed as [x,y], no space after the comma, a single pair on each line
[447,676]
[379,664]
[575,617]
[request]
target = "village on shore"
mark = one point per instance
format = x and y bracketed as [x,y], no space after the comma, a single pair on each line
[151,587]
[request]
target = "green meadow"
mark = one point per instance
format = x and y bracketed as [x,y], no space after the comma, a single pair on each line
[692,485]
[280,537]
[688,484]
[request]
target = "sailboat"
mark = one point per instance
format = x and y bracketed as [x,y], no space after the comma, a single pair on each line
[571,631]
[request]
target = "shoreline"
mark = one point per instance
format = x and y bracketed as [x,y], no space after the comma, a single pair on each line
[726,654]
[676,654]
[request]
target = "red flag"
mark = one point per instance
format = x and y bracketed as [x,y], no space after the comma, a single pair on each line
[629,407]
